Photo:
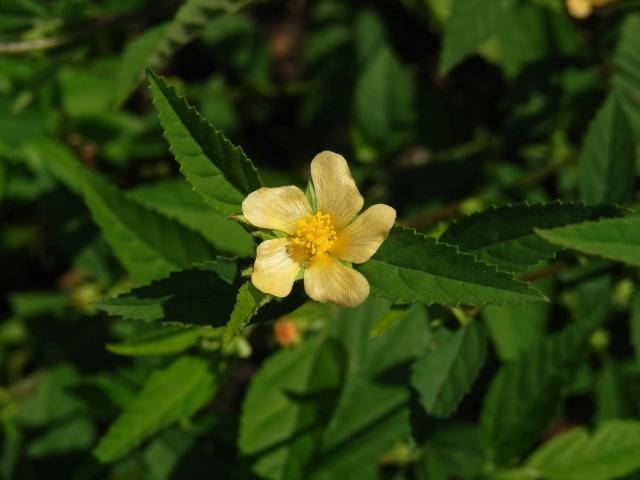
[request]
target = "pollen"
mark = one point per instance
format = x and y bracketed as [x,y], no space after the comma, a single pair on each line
[315,233]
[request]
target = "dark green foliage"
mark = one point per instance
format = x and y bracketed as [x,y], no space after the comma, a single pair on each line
[500,339]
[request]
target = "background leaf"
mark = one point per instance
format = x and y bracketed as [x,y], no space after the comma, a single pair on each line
[617,239]
[411,267]
[171,394]
[445,373]
[505,236]
[607,454]
[202,295]
[608,155]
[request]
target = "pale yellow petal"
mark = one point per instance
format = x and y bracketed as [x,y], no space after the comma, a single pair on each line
[276,208]
[362,238]
[327,280]
[579,8]
[277,264]
[336,190]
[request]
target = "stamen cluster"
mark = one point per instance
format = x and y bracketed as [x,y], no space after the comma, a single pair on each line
[315,233]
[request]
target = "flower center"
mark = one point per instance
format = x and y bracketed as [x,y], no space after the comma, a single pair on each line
[315,233]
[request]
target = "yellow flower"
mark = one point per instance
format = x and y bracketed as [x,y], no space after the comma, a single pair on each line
[317,241]
[583,8]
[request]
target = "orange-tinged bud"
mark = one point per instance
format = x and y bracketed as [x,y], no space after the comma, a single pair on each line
[286,332]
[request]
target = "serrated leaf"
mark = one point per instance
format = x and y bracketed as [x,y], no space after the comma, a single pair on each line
[626,70]
[176,200]
[610,453]
[470,24]
[608,156]
[162,341]
[524,396]
[410,267]
[248,301]
[444,374]
[170,395]
[204,295]
[156,46]
[218,171]
[615,239]
[505,236]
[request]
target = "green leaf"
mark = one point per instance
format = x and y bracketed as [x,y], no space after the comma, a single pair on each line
[139,54]
[635,326]
[470,24]
[614,239]
[156,46]
[176,200]
[608,156]
[505,236]
[614,400]
[626,70]
[248,301]
[610,453]
[162,341]
[514,329]
[296,420]
[525,394]
[384,103]
[443,375]
[68,436]
[202,295]
[147,243]
[372,414]
[277,425]
[218,171]
[410,267]
[170,395]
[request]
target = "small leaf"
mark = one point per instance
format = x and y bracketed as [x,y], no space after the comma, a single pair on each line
[384,102]
[156,46]
[626,70]
[608,156]
[443,375]
[162,341]
[170,395]
[248,301]
[203,295]
[410,267]
[470,24]
[610,453]
[505,236]
[218,171]
[139,54]
[614,239]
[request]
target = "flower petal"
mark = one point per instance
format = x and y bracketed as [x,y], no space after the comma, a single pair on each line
[276,208]
[336,191]
[579,8]
[362,238]
[327,280]
[277,264]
